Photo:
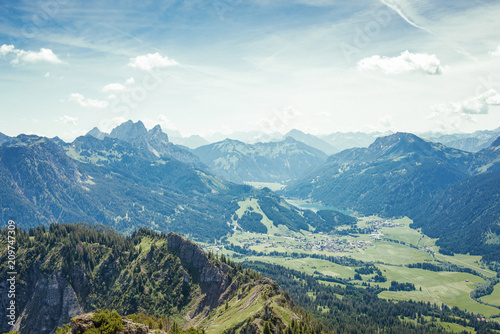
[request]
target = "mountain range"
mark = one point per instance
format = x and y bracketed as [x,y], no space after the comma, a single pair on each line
[133,177]
[133,182]
[262,162]
[471,142]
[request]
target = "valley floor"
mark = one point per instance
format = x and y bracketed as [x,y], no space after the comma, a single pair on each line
[391,245]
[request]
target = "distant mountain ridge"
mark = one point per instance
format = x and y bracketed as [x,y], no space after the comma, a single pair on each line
[262,162]
[471,142]
[347,140]
[191,142]
[312,141]
[388,177]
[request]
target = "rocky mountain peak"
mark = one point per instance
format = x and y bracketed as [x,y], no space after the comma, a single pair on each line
[158,133]
[96,133]
[129,131]
[400,143]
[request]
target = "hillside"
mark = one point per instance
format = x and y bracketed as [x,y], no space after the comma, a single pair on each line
[262,162]
[69,270]
[390,177]
[465,217]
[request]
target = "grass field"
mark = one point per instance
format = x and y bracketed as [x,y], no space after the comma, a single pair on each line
[450,288]
[494,298]
[393,253]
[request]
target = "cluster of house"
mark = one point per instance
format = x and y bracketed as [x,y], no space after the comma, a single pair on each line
[382,223]
[323,243]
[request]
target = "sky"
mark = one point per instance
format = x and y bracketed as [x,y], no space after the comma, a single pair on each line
[221,66]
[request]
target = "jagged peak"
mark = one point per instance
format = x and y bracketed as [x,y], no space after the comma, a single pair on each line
[95,132]
[157,132]
[157,128]
[129,131]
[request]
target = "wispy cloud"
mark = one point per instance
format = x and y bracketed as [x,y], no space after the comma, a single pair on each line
[87,103]
[406,62]
[114,87]
[150,61]
[396,6]
[22,56]
[67,120]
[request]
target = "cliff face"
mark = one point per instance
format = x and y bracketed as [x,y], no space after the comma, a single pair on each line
[212,279]
[51,302]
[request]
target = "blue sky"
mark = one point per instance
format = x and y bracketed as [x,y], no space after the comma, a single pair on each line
[201,67]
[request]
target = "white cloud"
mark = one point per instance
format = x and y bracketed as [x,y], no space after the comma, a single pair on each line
[130,81]
[281,120]
[450,115]
[67,119]
[386,121]
[496,52]
[165,123]
[406,62]
[114,87]
[22,56]
[150,61]
[87,103]
[162,120]
[6,49]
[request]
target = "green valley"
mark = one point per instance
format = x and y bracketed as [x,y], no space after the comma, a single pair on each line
[391,246]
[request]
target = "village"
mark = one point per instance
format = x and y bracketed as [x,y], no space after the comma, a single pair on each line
[310,242]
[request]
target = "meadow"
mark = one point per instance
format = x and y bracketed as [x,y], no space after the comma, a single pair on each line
[391,252]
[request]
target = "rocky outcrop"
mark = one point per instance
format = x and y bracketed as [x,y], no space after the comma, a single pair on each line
[52,304]
[212,278]
[84,322]
[129,131]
